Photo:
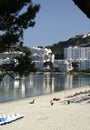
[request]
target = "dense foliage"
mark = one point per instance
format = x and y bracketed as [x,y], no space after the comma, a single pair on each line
[20,65]
[84,5]
[48,63]
[25,64]
[15,16]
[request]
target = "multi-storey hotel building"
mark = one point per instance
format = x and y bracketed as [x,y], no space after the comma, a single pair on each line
[76,53]
[79,54]
[41,55]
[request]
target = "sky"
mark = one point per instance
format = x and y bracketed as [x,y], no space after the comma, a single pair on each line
[57,20]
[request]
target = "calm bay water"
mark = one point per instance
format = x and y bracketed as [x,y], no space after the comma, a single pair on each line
[39,84]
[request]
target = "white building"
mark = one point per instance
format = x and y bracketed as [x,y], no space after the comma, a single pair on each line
[5,61]
[84,65]
[63,65]
[6,57]
[41,55]
[10,54]
[68,53]
[77,53]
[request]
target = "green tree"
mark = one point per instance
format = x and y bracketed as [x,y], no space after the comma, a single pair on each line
[75,66]
[26,50]
[15,17]
[48,63]
[25,65]
[84,6]
[20,65]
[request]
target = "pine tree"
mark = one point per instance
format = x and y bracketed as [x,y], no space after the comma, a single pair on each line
[15,17]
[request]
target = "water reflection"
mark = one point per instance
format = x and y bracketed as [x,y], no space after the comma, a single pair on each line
[39,84]
[68,81]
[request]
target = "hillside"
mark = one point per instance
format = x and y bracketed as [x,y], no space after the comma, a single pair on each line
[78,40]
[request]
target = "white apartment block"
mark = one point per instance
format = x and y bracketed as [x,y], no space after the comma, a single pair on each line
[39,50]
[76,53]
[10,54]
[68,53]
[5,61]
[6,57]
[63,65]
[84,65]
[41,55]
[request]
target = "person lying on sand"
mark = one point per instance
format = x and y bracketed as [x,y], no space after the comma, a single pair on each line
[32,102]
[56,99]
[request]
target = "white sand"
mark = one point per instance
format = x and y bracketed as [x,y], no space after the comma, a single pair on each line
[43,116]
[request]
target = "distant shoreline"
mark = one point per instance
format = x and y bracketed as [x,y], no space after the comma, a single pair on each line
[71,73]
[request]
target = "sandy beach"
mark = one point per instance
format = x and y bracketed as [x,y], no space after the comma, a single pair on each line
[43,116]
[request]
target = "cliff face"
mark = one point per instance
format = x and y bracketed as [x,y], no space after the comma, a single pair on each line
[84,5]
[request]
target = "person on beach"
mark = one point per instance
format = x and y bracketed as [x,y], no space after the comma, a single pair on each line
[56,99]
[51,102]
[32,102]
